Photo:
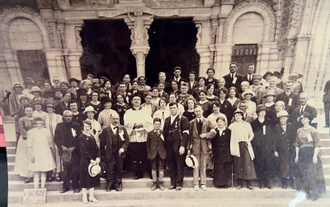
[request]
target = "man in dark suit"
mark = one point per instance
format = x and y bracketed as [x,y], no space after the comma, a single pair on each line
[156,154]
[177,76]
[304,107]
[114,141]
[249,76]
[210,78]
[192,82]
[162,79]
[66,139]
[200,146]
[326,101]
[290,99]
[233,79]
[176,133]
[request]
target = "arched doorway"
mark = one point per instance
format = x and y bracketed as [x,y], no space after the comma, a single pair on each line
[172,43]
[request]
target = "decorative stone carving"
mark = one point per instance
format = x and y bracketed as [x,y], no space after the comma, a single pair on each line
[93,3]
[198,35]
[61,33]
[251,6]
[140,56]
[78,38]
[175,3]
[35,16]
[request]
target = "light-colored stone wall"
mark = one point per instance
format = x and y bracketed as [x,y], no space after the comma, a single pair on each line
[24,34]
[248,29]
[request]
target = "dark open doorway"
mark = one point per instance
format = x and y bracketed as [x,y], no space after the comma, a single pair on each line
[106,45]
[172,43]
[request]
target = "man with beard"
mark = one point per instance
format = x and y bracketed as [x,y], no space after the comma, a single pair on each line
[66,139]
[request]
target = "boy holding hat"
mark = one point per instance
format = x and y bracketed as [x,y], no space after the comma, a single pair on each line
[156,154]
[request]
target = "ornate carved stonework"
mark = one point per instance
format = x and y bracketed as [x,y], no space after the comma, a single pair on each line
[251,5]
[198,35]
[175,4]
[81,4]
[36,16]
[61,33]
[78,38]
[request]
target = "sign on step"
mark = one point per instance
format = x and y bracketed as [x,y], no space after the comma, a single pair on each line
[33,196]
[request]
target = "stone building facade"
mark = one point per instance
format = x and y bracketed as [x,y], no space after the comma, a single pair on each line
[293,34]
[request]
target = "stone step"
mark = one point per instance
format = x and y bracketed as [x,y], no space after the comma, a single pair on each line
[11,150]
[192,202]
[325,150]
[186,193]
[11,158]
[326,159]
[325,142]
[326,169]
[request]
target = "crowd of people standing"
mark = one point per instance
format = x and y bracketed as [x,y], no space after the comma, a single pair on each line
[252,126]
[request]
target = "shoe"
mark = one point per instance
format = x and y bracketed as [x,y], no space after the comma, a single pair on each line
[108,188]
[249,187]
[29,180]
[225,186]
[50,179]
[178,188]
[314,197]
[64,190]
[172,187]
[93,200]
[136,177]
[160,185]
[84,200]
[261,186]
[268,186]
[196,188]
[239,187]
[203,187]
[154,186]
[119,188]
[284,186]
[77,190]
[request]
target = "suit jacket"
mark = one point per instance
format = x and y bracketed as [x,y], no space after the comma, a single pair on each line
[177,141]
[155,145]
[167,86]
[214,82]
[285,98]
[245,78]
[196,143]
[229,82]
[295,118]
[106,139]
[326,90]
[195,85]
[181,80]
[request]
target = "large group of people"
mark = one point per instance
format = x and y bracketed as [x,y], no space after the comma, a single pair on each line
[251,127]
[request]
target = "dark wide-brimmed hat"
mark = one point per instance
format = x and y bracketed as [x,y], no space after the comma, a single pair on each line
[269,93]
[239,111]
[106,99]
[66,156]
[261,107]
[277,74]
[307,115]
[74,79]
[191,161]
[94,169]
[37,102]
[266,74]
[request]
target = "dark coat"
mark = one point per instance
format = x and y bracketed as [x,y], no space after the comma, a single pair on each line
[214,82]
[167,86]
[88,151]
[177,141]
[245,78]
[221,146]
[226,109]
[295,118]
[229,82]
[106,139]
[155,145]
[195,85]
[326,90]
[285,98]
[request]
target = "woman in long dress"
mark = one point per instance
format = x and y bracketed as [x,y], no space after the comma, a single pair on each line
[221,154]
[90,153]
[21,160]
[241,150]
[51,120]
[310,170]
[40,147]
[95,125]
[285,134]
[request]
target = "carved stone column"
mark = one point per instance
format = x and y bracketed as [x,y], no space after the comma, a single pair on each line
[74,50]
[139,25]
[204,40]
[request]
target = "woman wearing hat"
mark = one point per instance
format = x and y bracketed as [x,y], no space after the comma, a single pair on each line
[90,154]
[222,158]
[263,145]
[285,134]
[279,106]
[297,87]
[265,78]
[40,147]
[14,103]
[310,170]
[28,83]
[36,92]
[74,84]
[270,107]
[38,111]
[241,150]
[51,120]
[96,126]
[21,161]
[251,106]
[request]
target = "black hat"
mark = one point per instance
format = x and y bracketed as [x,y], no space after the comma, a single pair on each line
[307,115]
[277,74]
[74,79]
[266,74]
[261,107]
[82,92]
[105,99]
[176,68]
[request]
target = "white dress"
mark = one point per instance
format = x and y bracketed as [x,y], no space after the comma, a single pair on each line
[41,142]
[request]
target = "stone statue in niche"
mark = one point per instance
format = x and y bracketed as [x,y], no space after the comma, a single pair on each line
[139,32]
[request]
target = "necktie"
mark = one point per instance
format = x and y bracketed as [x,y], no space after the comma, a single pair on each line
[249,77]
[301,110]
[163,117]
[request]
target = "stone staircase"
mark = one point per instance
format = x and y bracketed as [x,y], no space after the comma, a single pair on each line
[138,193]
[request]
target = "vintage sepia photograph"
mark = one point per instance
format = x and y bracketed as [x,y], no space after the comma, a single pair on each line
[166,102]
